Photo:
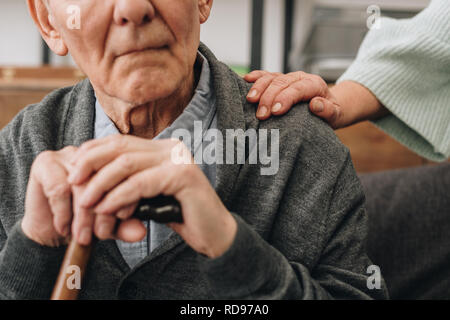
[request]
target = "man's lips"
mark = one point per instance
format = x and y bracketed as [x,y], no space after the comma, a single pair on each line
[141,50]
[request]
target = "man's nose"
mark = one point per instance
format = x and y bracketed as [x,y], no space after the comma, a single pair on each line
[133,11]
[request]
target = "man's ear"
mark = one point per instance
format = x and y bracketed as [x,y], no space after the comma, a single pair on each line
[45,23]
[205,9]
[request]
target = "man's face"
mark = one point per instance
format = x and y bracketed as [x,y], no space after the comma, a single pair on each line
[134,50]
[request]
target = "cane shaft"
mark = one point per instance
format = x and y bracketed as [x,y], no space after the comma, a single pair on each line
[161,209]
[72,271]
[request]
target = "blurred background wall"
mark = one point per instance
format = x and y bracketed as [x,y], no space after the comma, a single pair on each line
[20,41]
[323,35]
[21,44]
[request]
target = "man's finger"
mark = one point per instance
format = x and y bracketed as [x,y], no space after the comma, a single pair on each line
[100,154]
[126,212]
[56,189]
[91,162]
[133,189]
[83,219]
[62,213]
[105,227]
[131,230]
[116,171]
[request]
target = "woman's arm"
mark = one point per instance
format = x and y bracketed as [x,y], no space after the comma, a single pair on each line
[355,103]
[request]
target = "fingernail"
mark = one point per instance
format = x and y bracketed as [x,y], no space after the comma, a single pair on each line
[318,106]
[252,93]
[262,111]
[85,236]
[276,107]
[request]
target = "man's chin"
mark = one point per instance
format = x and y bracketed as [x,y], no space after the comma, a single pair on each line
[138,94]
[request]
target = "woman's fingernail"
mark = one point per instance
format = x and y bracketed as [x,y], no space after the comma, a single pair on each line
[262,111]
[252,93]
[318,106]
[276,107]
[85,236]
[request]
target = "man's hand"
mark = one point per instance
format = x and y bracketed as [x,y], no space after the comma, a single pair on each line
[52,212]
[120,170]
[344,104]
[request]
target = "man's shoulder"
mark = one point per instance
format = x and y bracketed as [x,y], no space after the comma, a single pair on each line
[311,138]
[300,132]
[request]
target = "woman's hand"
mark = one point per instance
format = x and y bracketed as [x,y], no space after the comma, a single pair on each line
[277,93]
[341,106]
[120,170]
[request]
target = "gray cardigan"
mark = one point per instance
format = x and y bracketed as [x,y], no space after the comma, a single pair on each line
[301,233]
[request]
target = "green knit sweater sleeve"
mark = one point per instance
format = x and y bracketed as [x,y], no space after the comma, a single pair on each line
[406,65]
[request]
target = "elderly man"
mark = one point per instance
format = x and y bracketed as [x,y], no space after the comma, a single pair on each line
[76,164]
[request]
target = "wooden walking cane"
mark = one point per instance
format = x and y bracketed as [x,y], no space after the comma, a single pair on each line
[161,209]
